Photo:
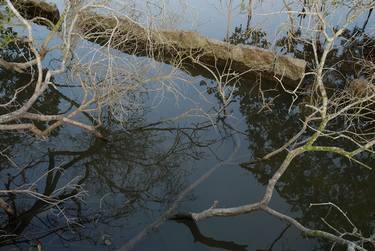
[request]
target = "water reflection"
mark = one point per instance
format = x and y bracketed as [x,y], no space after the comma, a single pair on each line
[343,58]
[312,178]
[135,170]
[208,241]
[141,169]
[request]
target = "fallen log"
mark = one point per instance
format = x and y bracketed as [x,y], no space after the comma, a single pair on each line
[41,11]
[169,45]
[173,46]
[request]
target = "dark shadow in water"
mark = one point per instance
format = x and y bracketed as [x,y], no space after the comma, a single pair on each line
[208,241]
[227,245]
[367,19]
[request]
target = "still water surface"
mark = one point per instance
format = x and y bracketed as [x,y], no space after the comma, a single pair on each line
[135,177]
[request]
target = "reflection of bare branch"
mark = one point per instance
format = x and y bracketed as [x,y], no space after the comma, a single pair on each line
[123,158]
[211,242]
[171,210]
[317,125]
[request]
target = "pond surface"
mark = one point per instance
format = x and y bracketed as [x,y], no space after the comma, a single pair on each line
[149,166]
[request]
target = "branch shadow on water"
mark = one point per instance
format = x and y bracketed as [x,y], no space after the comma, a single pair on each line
[209,241]
[227,245]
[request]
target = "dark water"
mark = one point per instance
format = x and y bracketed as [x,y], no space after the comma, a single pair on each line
[130,181]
